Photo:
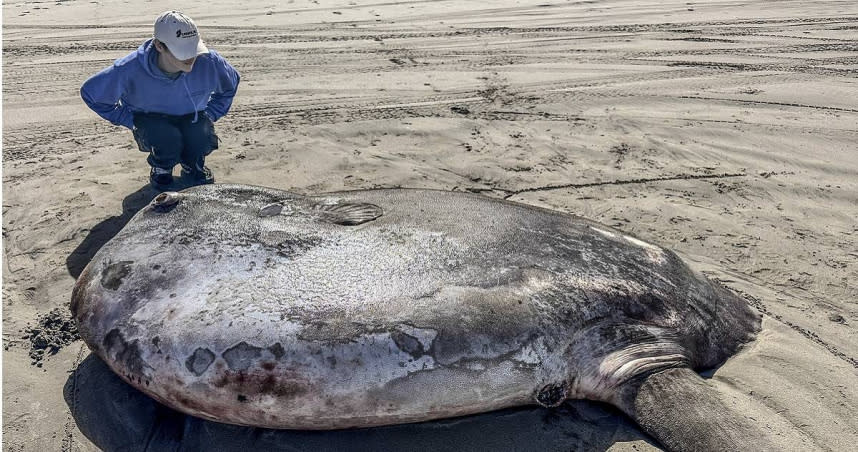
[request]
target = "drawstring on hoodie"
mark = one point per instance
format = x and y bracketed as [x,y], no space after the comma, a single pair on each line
[191,98]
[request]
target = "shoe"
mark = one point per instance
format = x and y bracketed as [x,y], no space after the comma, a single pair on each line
[160,178]
[197,177]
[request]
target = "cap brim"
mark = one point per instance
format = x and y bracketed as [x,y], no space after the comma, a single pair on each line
[201,48]
[190,53]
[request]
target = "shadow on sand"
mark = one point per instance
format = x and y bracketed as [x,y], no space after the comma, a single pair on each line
[117,417]
[107,229]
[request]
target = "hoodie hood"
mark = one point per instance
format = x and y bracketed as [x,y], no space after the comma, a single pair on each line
[147,56]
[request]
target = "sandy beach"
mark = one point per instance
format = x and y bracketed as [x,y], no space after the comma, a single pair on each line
[724,130]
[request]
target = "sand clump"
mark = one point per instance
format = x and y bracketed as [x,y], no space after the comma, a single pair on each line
[50,334]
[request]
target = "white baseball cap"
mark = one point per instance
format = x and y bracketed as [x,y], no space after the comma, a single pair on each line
[179,33]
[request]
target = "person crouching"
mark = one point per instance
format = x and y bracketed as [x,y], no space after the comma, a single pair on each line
[169,92]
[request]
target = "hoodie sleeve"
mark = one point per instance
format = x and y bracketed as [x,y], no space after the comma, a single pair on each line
[227,85]
[102,92]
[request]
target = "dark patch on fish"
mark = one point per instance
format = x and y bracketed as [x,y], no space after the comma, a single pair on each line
[645,308]
[277,350]
[407,343]
[156,342]
[242,196]
[288,244]
[200,361]
[127,354]
[188,402]
[337,330]
[620,335]
[112,276]
[294,247]
[259,382]
[241,356]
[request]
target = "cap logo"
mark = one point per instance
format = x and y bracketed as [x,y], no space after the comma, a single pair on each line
[186,34]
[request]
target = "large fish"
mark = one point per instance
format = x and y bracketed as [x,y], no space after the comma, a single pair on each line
[260,307]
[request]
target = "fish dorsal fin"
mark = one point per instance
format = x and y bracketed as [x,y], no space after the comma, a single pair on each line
[347,213]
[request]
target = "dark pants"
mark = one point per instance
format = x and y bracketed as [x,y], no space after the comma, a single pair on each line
[175,139]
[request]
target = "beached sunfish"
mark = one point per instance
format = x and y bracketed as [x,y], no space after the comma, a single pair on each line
[261,307]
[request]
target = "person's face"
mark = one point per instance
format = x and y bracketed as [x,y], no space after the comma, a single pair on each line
[171,63]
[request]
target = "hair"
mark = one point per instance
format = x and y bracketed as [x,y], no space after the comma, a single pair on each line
[158,41]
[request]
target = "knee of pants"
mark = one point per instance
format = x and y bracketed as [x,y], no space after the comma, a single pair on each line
[200,138]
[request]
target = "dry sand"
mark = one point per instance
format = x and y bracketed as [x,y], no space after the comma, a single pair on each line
[725,130]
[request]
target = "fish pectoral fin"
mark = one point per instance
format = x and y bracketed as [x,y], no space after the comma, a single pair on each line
[348,213]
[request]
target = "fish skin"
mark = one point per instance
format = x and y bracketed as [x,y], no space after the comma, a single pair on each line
[260,307]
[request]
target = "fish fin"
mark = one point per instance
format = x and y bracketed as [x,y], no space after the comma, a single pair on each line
[348,213]
[684,412]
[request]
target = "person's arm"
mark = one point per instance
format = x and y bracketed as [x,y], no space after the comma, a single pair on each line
[102,92]
[228,79]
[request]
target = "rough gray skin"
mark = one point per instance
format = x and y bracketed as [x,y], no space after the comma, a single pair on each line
[260,307]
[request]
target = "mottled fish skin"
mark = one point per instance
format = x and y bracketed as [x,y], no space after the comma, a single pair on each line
[260,307]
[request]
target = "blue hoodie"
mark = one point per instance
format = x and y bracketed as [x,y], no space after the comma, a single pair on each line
[134,83]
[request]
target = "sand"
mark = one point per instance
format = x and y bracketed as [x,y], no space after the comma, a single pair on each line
[724,130]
